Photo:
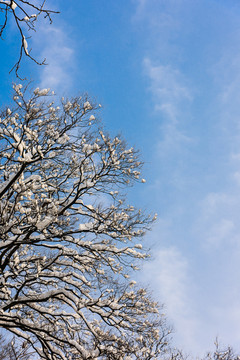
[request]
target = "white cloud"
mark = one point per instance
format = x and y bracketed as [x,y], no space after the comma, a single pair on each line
[218,221]
[236,177]
[201,288]
[167,88]
[140,7]
[168,274]
[226,73]
[58,51]
[171,97]
[170,88]
[220,232]
[157,17]
[171,276]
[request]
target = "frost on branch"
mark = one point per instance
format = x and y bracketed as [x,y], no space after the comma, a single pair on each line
[68,240]
[25,14]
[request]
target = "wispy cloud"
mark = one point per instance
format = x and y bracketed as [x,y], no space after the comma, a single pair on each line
[171,97]
[169,273]
[170,89]
[58,50]
[60,60]
[218,222]
[167,88]
[193,74]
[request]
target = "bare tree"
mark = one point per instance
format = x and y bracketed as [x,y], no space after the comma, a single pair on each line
[25,14]
[221,353]
[10,350]
[69,242]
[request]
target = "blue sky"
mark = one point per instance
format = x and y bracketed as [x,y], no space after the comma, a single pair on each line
[168,76]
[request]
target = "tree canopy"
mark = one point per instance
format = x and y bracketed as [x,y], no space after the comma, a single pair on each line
[69,241]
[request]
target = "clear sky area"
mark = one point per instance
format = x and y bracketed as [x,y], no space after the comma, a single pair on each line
[167,73]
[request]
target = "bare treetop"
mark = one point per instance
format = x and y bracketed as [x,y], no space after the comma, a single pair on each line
[14,350]
[69,241]
[25,15]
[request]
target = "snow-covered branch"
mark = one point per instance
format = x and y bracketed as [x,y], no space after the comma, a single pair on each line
[25,15]
[69,242]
